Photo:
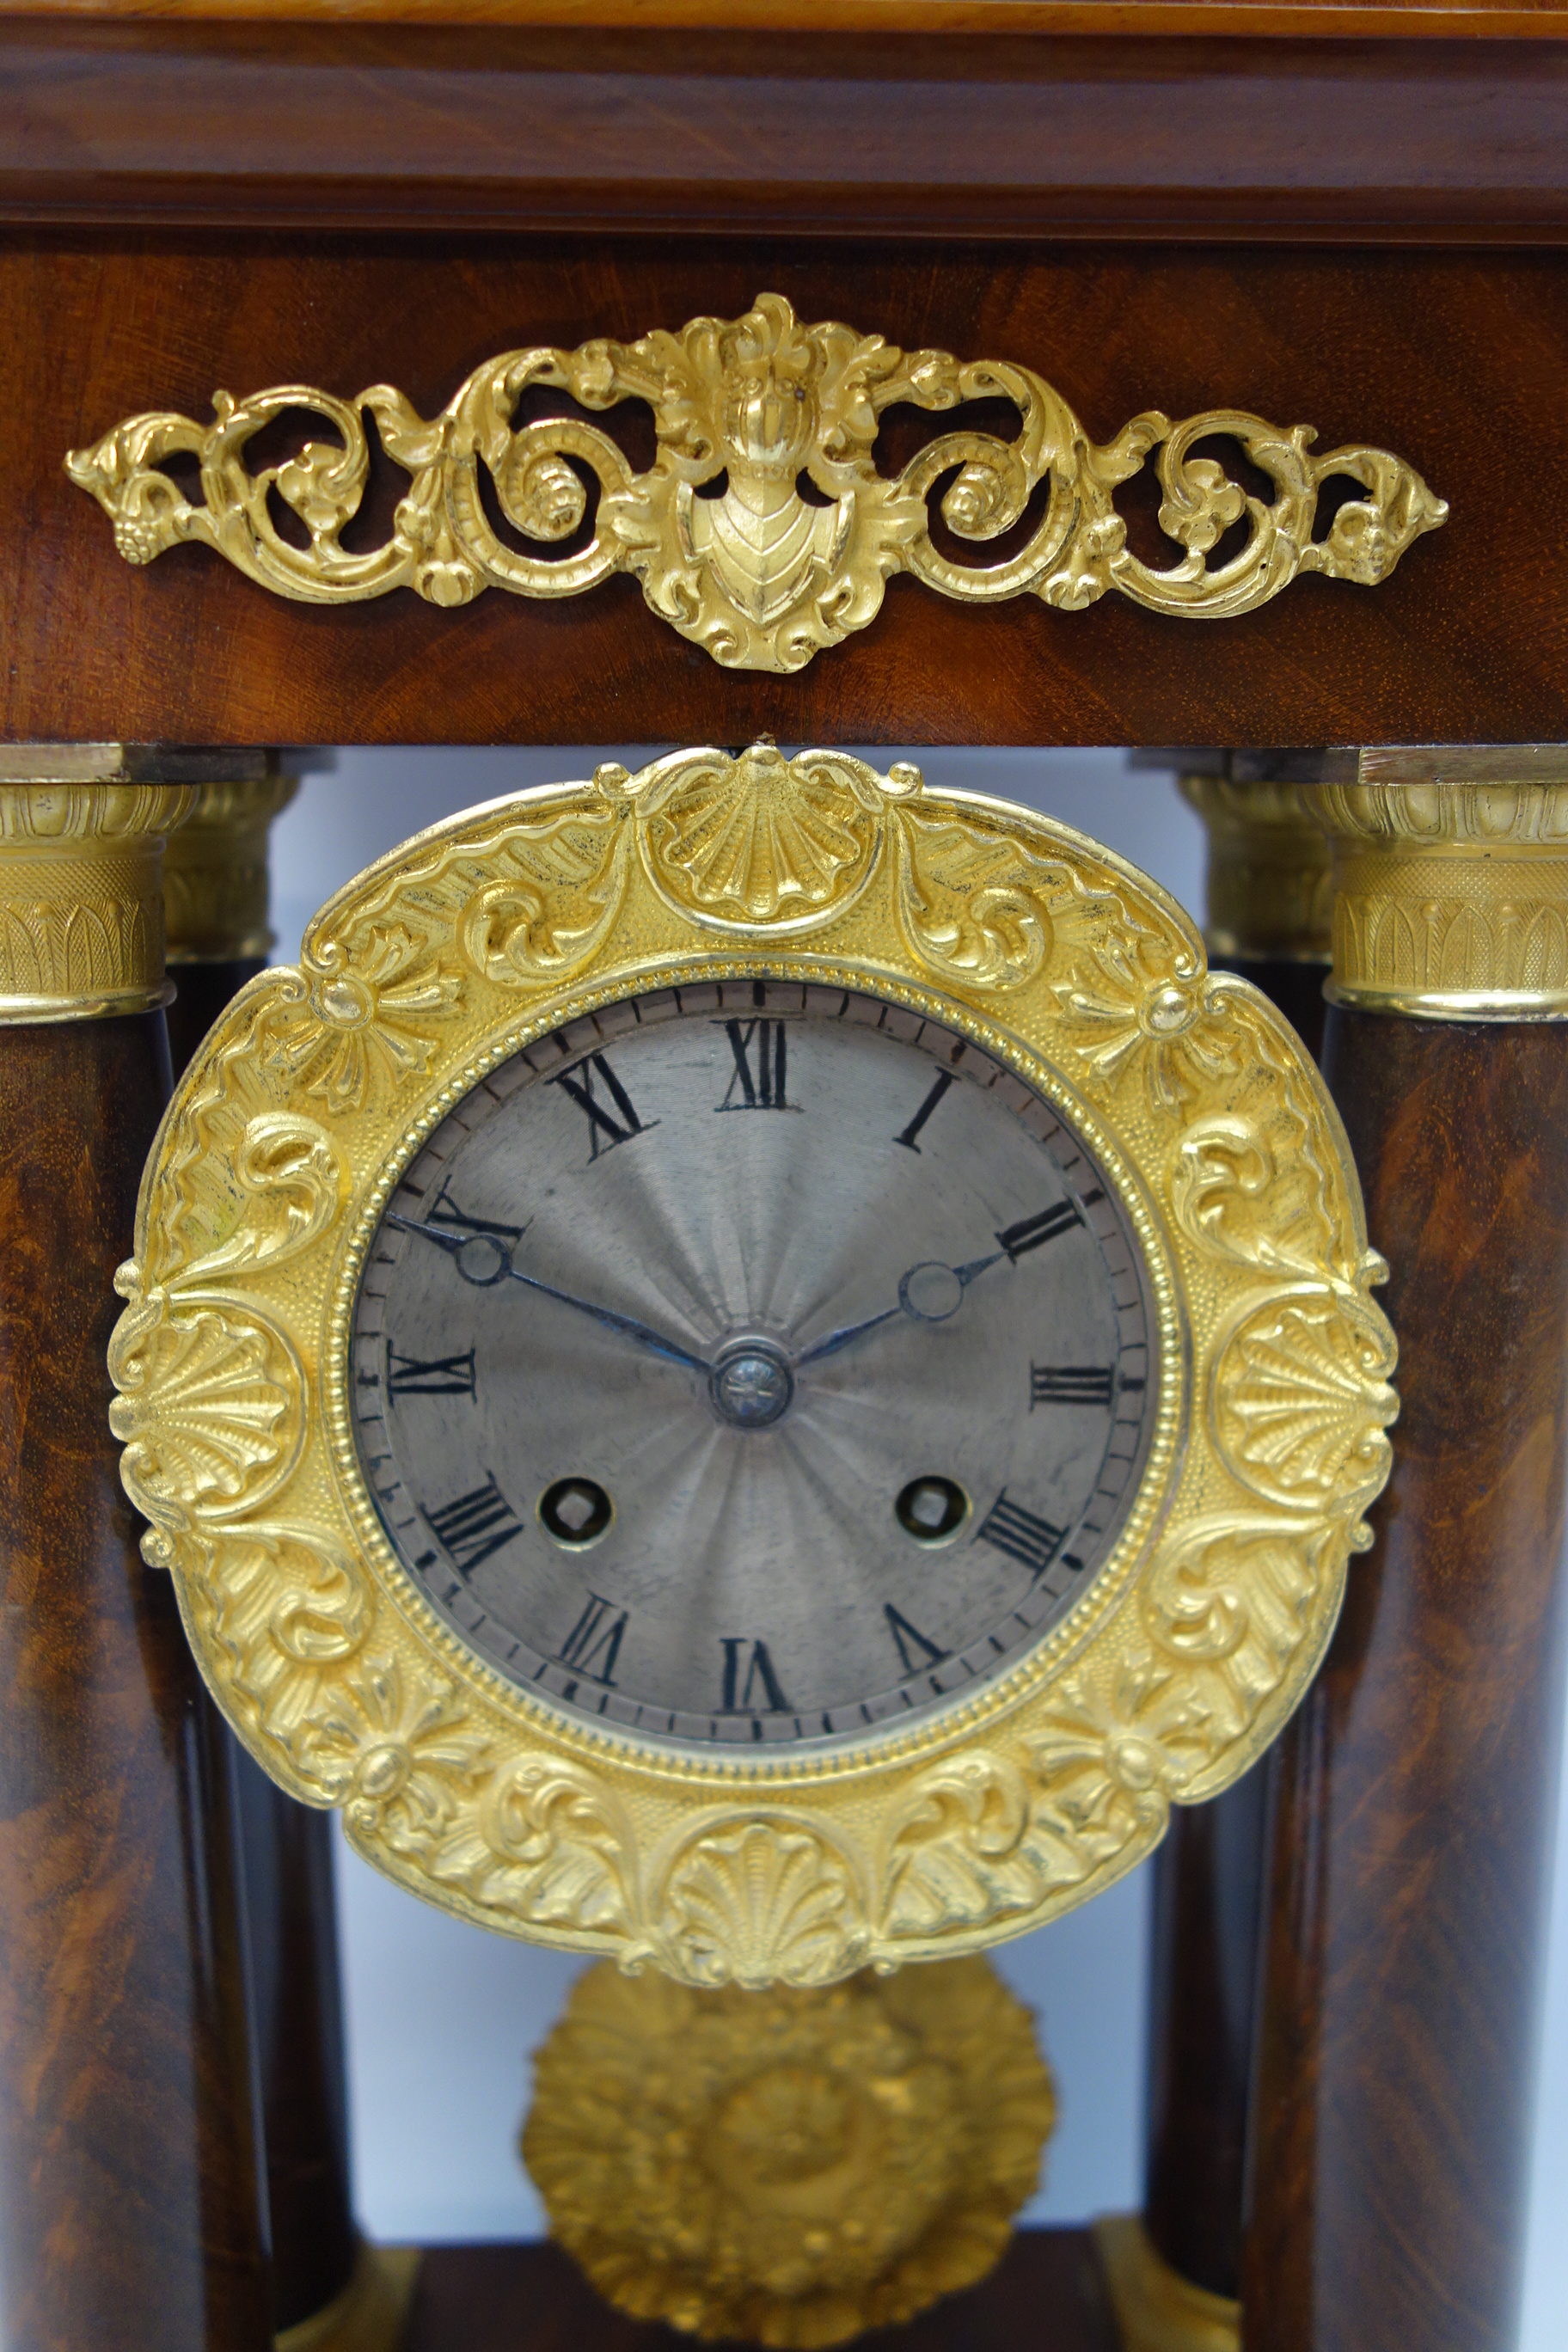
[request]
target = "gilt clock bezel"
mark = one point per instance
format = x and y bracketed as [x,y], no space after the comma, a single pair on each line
[1168,1346]
[318,1084]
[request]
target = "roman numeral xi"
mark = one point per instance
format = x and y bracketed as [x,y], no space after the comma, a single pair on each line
[610,1120]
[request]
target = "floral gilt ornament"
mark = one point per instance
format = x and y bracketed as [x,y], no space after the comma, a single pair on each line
[729,547]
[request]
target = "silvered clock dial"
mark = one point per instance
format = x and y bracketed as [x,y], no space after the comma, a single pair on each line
[752,1367]
[753,1361]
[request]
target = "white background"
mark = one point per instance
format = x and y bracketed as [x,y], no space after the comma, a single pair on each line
[441,2016]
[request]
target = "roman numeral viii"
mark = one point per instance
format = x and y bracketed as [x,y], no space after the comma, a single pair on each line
[1013,1530]
[609,1122]
[742,1698]
[440,1376]
[594,1641]
[1069,1384]
[473,1526]
[760,1051]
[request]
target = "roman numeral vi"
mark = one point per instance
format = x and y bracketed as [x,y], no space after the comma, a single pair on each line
[739,1697]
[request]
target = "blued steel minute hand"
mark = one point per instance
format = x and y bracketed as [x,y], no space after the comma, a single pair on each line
[483,1259]
[932,1291]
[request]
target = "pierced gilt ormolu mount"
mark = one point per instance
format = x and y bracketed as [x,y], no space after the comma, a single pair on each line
[728,548]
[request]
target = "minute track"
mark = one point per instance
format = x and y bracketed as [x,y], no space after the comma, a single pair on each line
[728,1244]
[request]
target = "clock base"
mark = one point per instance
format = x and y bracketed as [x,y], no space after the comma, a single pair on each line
[1047,2293]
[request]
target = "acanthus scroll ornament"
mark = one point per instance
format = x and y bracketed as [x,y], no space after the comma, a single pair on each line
[531,923]
[764,530]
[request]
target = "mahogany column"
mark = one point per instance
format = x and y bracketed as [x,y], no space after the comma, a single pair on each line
[329,2289]
[1176,2278]
[1415,1790]
[132,2218]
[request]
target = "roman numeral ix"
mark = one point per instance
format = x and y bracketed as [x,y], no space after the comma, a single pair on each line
[1013,1530]
[1071,1384]
[610,1123]
[440,1376]
[473,1526]
[739,1696]
[760,1051]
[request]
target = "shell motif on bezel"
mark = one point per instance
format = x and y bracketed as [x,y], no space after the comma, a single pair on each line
[1162,1684]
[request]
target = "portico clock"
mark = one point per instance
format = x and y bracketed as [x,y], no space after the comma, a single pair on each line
[753,1367]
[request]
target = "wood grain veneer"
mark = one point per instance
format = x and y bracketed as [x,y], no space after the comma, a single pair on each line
[1046,2293]
[130,2214]
[1454,361]
[311,122]
[1415,1790]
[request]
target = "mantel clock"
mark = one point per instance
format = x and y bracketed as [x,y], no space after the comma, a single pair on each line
[753,1367]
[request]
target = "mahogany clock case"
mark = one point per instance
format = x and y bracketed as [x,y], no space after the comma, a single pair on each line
[1452,358]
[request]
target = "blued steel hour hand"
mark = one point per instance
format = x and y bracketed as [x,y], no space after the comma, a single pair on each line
[483,1259]
[932,1291]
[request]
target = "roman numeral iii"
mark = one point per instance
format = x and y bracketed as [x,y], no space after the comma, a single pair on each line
[1027,1537]
[1071,1384]
[473,1526]
[760,1061]
[440,1376]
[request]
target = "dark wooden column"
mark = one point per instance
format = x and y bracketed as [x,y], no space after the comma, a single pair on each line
[131,2211]
[1177,2276]
[328,2288]
[1416,1790]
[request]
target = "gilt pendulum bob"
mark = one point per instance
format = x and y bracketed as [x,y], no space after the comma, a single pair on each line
[753,1367]
[790,2166]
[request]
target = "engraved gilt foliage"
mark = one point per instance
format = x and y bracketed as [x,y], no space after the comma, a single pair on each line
[730,550]
[1163,1685]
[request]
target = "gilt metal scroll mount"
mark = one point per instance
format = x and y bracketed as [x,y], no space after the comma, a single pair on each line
[763,531]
